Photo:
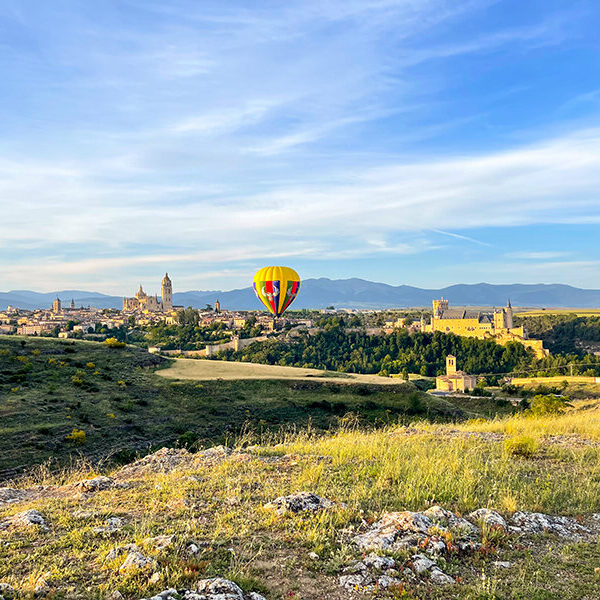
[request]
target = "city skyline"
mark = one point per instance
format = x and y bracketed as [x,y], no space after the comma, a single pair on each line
[425,143]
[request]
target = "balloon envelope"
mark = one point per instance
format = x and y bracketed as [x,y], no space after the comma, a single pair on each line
[276,288]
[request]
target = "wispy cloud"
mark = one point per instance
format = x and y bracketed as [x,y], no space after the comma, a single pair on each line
[323,130]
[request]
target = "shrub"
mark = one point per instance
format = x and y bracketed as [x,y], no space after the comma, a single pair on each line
[521,445]
[77,436]
[188,440]
[112,342]
[544,405]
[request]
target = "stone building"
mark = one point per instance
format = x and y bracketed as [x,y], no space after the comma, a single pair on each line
[57,306]
[497,325]
[142,302]
[454,380]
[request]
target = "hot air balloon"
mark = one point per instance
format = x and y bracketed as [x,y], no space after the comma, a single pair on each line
[276,288]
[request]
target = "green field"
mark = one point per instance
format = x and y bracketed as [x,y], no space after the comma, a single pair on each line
[48,388]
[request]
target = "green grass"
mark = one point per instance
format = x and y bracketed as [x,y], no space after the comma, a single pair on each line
[340,441]
[371,472]
[48,388]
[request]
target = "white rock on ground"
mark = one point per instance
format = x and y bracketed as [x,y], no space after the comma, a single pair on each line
[167,460]
[8,495]
[300,502]
[97,484]
[426,534]
[28,518]
[369,574]
[531,522]
[111,525]
[487,517]
[216,588]
[136,561]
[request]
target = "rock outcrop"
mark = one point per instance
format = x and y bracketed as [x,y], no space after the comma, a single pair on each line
[300,502]
[28,518]
[216,588]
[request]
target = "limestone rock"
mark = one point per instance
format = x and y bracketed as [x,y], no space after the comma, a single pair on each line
[422,565]
[216,588]
[8,495]
[28,518]
[446,518]
[395,531]
[96,484]
[164,460]
[300,502]
[136,561]
[531,522]
[160,542]
[216,453]
[487,517]
[111,525]
[372,573]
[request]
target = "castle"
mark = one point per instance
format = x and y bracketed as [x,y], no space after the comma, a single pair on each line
[144,303]
[497,325]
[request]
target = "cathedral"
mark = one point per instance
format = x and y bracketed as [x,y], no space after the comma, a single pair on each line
[145,303]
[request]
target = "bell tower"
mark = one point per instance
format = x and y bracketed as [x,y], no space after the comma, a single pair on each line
[450,364]
[166,292]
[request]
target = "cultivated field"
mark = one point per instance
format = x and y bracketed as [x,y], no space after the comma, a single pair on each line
[544,312]
[203,370]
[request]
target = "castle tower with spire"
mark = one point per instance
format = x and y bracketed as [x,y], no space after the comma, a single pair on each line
[167,293]
[509,315]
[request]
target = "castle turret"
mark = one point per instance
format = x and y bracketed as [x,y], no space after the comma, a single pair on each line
[167,293]
[439,306]
[509,315]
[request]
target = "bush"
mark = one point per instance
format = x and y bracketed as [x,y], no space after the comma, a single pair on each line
[188,440]
[522,445]
[112,342]
[77,436]
[545,405]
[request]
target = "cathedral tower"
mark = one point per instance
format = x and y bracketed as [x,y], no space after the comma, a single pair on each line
[167,293]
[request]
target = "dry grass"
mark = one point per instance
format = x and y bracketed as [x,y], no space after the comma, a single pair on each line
[204,370]
[220,506]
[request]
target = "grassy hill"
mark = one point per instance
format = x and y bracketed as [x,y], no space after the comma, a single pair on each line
[391,479]
[187,517]
[48,388]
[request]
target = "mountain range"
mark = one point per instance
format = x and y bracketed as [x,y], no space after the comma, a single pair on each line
[341,293]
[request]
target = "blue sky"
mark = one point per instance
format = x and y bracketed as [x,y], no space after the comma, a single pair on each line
[425,142]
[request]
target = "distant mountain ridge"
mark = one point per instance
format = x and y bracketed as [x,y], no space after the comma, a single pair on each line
[341,293]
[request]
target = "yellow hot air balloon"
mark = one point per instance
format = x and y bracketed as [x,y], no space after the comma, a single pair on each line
[276,288]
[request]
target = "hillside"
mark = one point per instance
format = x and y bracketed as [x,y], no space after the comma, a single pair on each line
[342,293]
[50,387]
[475,511]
